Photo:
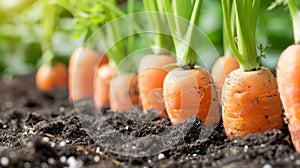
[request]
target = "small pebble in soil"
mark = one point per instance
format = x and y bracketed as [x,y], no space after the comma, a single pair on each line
[97,149]
[96,158]
[161,156]
[4,161]
[297,162]
[73,163]
[61,109]
[267,166]
[27,165]
[63,159]
[51,161]
[46,139]
[52,144]
[62,144]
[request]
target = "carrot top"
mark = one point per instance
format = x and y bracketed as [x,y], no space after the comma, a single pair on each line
[183,10]
[48,22]
[246,12]
[162,42]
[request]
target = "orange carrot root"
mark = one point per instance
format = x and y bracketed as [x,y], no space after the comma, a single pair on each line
[222,67]
[251,103]
[190,93]
[152,72]
[49,77]
[123,93]
[103,79]
[288,77]
[82,66]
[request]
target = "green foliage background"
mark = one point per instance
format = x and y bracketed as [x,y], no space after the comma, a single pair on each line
[20,33]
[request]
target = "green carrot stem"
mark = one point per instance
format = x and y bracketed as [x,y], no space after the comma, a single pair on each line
[294,7]
[48,22]
[246,19]
[180,28]
[119,12]
[227,49]
[130,45]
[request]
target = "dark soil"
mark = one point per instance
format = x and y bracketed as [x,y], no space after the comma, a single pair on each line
[44,130]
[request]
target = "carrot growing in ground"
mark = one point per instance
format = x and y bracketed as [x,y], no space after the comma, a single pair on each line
[50,74]
[188,90]
[225,64]
[123,86]
[288,77]
[84,61]
[154,67]
[251,102]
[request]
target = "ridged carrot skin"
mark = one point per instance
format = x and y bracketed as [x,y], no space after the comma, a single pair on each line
[152,72]
[103,78]
[251,103]
[288,77]
[82,68]
[124,93]
[222,67]
[49,77]
[190,93]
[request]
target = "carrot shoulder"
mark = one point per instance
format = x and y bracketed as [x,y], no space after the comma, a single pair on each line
[103,78]
[152,72]
[288,78]
[123,93]
[82,67]
[190,93]
[222,67]
[251,103]
[49,77]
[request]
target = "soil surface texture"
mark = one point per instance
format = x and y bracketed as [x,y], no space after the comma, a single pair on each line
[40,129]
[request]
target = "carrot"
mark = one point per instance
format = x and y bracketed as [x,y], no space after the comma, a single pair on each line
[154,67]
[103,79]
[222,67]
[123,88]
[188,90]
[82,67]
[49,77]
[124,94]
[251,102]
[288,78]
[190,93]
[151,75]
[50,74]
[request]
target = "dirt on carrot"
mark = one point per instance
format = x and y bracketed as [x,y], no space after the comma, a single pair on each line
[251,103]
[49,77]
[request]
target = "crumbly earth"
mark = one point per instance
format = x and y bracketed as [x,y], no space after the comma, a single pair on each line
[40,129]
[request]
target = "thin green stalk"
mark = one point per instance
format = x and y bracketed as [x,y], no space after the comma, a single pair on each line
[119,12]
[183,10]
[246,19]
[294,7]
[227,49]
[48,22]
[162,42]
[130,9]
[115,53]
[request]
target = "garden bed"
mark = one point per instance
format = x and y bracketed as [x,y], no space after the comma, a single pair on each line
[44,130]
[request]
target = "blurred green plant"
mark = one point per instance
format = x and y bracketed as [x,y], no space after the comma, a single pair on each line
[20,31]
